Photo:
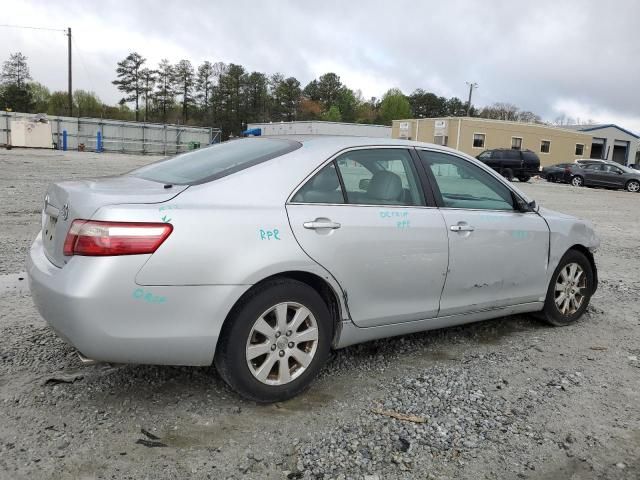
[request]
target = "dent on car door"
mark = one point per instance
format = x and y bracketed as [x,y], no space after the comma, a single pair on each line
[497,255]
[363,217]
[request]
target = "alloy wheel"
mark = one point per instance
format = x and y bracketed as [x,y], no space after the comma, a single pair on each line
[282,343]
[576,181]
[633,186]
[569,289]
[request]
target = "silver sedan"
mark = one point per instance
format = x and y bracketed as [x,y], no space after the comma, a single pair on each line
[261,255]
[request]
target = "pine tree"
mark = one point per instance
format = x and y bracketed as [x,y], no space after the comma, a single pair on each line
[184,81]
[15,71]
[130,79]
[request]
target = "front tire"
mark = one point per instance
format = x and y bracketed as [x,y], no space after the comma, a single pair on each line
[632,186]
[569,290]
[551,178]
[577,181]
[275,341]
[524,178]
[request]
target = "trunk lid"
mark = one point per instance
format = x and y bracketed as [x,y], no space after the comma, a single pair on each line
[70,200]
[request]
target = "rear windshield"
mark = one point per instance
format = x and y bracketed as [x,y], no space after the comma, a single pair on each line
[216,161]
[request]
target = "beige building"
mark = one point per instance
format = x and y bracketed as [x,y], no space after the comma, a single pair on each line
[473,135]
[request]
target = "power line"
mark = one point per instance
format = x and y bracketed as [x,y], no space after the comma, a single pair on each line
[34,28]
[67,32]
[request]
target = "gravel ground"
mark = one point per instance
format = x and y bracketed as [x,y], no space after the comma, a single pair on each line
[507,398]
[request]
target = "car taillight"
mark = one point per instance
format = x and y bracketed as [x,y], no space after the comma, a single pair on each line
[95,238]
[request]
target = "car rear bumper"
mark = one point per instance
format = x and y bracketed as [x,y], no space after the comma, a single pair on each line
[96,306]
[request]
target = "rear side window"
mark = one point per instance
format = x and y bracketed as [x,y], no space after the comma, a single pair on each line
[216,161]
[324,187]
[384,176]
[530,157]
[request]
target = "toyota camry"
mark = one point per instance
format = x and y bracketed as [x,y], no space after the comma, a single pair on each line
[260,255]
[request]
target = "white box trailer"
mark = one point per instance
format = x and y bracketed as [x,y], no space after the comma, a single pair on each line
[25,133]
[322,128]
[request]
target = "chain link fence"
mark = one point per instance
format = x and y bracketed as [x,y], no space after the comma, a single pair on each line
[117,135]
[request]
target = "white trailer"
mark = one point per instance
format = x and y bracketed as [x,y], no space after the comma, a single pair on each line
[322,128]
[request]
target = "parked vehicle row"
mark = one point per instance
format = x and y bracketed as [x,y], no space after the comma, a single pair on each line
[607,174]
[594,173]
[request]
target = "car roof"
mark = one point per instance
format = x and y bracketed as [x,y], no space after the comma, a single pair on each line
[346,140]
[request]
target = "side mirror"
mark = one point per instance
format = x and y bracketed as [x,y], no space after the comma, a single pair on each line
[524,207]
[364,183]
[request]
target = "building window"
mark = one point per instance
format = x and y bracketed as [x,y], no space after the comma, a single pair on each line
[579,149]
[516,143]
[441,140]
[545,146]
[478,140]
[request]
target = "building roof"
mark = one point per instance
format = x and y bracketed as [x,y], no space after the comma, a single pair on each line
[599,126]
[319,121]
[493,120]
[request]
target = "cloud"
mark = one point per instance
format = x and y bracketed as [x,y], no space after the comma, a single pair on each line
[551,57]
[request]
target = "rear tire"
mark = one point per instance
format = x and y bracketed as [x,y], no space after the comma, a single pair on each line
[569,290]
[524,178]
[297,330]
[632,186]
[508,174]
[577,181]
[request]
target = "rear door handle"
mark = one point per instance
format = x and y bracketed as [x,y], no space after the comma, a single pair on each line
[462,228]
[316,224]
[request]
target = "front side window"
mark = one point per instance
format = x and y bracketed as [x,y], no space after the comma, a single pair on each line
[611,168]
[545,146]
[516,143]
[464,185]
[324,187]
[207,164]
[380,176]
[579,149]
[478,140]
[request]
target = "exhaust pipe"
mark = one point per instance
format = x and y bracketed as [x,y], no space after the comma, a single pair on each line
[86,360]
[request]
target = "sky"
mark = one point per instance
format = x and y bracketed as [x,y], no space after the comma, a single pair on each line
[571,58]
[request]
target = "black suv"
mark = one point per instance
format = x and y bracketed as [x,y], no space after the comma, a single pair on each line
[510,163]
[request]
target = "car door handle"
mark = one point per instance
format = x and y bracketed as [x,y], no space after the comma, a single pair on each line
[318,224]
[461,228]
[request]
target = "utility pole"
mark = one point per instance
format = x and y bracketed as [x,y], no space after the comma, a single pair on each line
[472,85]
[69,73]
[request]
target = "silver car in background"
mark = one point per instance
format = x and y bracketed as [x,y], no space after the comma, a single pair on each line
[261,255]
